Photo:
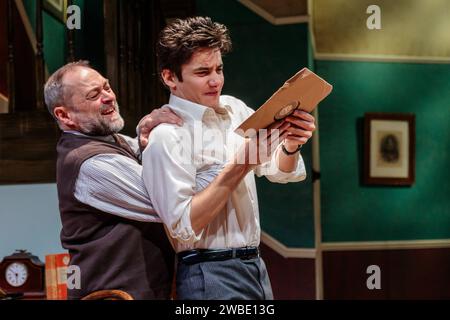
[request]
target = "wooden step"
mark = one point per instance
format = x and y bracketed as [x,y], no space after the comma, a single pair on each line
[28,147]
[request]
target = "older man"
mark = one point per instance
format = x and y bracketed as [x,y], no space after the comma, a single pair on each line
[108,222]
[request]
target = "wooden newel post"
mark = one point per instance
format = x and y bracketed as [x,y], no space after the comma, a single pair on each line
[70,39]
[39,59]
[11,72]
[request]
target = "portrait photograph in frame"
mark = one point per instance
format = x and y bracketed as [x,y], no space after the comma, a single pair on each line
[57,8]
[389,149]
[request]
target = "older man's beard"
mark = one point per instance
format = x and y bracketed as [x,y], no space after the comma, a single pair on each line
[100,126]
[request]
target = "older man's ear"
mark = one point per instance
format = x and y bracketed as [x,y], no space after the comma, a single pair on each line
[61,113]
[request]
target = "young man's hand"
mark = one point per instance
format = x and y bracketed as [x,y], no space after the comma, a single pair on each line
[301,128]
[260,148]
[150,121]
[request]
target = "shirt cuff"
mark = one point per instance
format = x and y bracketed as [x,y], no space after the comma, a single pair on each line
[274,174]
[183,232]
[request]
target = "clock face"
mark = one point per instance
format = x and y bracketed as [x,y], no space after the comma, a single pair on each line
[16,274]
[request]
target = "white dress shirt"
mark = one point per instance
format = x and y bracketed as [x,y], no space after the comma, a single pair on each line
[206,141]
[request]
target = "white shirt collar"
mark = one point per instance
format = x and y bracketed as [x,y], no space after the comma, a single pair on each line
[193,111]
[190,110]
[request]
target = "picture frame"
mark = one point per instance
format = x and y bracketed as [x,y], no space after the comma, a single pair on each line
[56,8]
[389,149]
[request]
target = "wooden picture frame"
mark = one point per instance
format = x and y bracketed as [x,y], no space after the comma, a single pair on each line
[57,8]
[389,149]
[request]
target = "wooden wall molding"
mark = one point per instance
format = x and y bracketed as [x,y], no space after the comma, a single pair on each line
[380,58]
[386,245]
[271,18]
[284,251]
[3,104]
[27,24]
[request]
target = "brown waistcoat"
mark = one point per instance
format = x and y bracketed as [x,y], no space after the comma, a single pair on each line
[112,252]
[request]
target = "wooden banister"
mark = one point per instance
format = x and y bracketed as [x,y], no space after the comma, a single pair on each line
[11,72]
[39,58]
[70,40]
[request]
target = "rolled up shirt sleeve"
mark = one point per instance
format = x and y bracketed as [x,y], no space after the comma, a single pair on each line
[169,174]
[271,171]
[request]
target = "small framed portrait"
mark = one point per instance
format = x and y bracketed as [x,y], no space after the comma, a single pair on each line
[389,149]
[57,8]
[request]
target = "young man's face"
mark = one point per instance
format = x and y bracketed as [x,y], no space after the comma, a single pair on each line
[92,103]
[202,78]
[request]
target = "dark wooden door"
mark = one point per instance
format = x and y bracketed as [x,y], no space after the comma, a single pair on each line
[28,134]
[131,32]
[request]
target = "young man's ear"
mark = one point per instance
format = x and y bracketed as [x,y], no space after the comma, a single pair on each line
[64,117]
[169,79]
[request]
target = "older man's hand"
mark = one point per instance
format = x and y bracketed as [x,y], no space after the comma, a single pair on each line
[150,121]
[301,128]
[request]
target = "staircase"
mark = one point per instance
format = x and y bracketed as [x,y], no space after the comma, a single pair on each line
[28,134]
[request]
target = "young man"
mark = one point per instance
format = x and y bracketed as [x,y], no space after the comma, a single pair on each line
[107,218]
[215,231]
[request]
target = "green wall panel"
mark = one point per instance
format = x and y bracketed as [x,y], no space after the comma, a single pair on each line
[355,212]
[263,57]
[54,36]
[54,43]
[89,40]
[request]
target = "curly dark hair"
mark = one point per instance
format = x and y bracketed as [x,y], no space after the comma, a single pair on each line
[180,39]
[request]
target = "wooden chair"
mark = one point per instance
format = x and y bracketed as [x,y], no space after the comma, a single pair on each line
[108,295]
[2,294]
[10,296]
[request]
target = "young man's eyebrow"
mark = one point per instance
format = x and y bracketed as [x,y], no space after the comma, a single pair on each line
[206,68]
[202,69]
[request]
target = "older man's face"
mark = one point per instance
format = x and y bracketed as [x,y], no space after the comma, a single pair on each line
[91,102]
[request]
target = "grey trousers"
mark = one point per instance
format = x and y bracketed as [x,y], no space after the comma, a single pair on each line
[232,279]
